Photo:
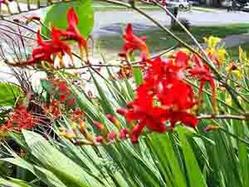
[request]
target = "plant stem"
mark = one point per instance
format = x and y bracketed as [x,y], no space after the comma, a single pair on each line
[223,116]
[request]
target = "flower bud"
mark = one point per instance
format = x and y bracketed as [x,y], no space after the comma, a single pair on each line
[111,136]
[114,120]
[99,139]
[211,128]
[99,125]
[123,133]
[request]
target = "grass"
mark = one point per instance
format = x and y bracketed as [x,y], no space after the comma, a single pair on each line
[157,40]
[234,51]
[102,6]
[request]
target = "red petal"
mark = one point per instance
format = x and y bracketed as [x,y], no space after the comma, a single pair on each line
[72,17]
[136,131]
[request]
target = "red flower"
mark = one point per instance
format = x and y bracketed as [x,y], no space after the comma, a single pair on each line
[99,125]
[77,115]
[20,119]
[99,139]
[46,50]
[53,108]
[163,97]
[159,69]
[145,113]
[203,73]
[123,133]
[72,32]
[63,93]
[176,94]
[133,42]
[111,136]
[182,116]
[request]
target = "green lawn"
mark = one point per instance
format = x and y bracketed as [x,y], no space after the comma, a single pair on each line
[157,40]
[234,51]
[102,6]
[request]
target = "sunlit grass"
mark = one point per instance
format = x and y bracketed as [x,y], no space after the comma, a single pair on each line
[157,40]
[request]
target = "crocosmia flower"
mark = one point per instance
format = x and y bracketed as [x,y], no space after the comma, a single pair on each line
[20,119]
[55,49]
[202,72]
[163,99]
[46,50]
[133,42]
[72,32]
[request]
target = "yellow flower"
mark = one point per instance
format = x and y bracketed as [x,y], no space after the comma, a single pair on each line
[242,55]
[233,69]
[221,54]
[218,53]
[212,41]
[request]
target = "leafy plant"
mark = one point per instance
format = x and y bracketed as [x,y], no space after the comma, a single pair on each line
[176,119]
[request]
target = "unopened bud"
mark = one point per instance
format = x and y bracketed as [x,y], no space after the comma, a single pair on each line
[121,111]
[99,139]
[111,136]
[123,133]
[114,120]
[211,128]
[99,125]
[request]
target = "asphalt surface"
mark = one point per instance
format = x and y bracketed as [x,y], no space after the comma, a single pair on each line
[112,22]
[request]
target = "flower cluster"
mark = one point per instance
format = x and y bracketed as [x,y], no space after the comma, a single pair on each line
[20,119]
[80,134]
[63,92]
[60,95]
[52,51]
[165,97]
[110,136]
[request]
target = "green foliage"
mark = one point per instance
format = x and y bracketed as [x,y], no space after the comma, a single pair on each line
[178,158]
[14,183]
[9,94]
[83,9]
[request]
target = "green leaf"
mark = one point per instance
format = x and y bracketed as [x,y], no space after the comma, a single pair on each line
[70,173]
[44,175]
[9,93]
[194,172]
[105,102]
[138,76]
[46,85]
[83,9]
[163,149]
[14,183]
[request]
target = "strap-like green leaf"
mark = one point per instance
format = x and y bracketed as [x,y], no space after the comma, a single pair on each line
[70,173]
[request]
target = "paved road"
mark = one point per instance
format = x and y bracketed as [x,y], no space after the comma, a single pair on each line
[111,22]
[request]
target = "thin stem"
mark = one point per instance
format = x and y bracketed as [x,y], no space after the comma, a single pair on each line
[223,116]
[165,29]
